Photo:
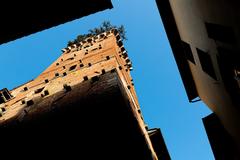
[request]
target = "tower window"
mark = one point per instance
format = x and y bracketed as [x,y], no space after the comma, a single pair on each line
[81,65]
[72,67]
[85,78]
[23,102]
[2,99]
[120,44]
[125,55]
[94,79]
[3,109]
[122,49]
[86,46]
[188,52]
[127,60]
[39,90]
[71,58]
[115,32]
[103,71]
[56,74]
[46,92]
[67,87]
[94,49]
[113,70]
[102,35]
[118,37]
[6,95]
[89,40]
[25,88]
[206,63]
[30,102]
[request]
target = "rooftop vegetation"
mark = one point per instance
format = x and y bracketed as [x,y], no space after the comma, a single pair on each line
[104,27]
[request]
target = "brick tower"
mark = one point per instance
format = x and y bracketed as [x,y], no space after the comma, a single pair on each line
[86,95]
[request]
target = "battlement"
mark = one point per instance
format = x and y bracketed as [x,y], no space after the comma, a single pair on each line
[90,40]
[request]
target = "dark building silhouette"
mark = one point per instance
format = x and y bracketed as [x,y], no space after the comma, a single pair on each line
[204,36]
[28,17]
[83,105]
[221,142]
[158,143]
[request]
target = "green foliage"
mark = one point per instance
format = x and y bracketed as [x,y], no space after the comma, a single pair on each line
[106,26]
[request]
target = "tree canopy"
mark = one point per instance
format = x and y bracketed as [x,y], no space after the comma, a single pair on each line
[104,27]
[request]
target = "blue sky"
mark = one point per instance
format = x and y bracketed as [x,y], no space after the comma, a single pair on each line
[157,81]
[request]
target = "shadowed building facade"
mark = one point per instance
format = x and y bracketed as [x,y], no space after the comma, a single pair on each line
[204,36]
[86,98]
[28,17]
[221,142]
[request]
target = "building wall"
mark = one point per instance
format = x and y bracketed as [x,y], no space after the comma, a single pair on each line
[94,119]
[82,64]
[191,17]
[38,20]
[222,144]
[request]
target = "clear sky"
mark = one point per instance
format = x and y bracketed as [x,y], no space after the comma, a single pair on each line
[157,81]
